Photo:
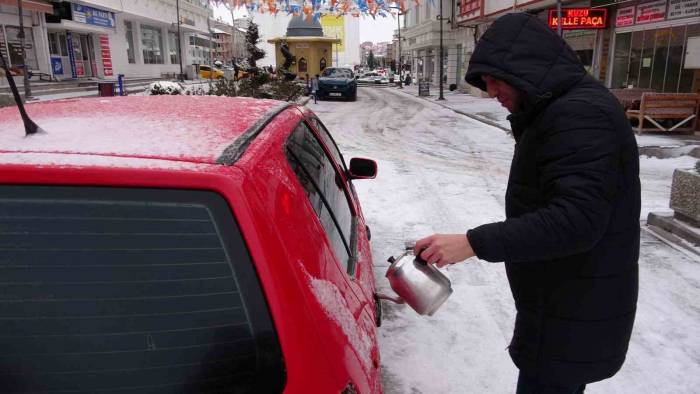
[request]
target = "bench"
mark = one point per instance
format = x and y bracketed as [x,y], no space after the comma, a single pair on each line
[680,110]
[630,98]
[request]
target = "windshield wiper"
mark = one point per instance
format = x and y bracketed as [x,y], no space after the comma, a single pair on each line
[29,126]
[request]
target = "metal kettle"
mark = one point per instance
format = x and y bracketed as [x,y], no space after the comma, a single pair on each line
[419,284]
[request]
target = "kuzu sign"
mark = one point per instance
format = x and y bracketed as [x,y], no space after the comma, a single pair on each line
[579,18]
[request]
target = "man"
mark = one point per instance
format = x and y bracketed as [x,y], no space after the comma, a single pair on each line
[571,238]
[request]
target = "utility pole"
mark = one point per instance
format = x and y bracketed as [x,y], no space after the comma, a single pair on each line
[233,35]
[442,97]
[398,21]
[25,67]
[211,63]
[179,44]
[559,18]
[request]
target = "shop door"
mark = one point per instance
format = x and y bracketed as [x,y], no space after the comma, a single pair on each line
[87,55]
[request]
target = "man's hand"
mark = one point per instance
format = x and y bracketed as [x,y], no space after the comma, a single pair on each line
[444,249]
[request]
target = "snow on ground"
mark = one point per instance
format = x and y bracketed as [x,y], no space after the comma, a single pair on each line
[444,172]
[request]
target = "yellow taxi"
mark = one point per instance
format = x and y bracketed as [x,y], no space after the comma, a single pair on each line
[205,71]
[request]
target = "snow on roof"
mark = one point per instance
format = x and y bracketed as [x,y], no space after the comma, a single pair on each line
[178,128]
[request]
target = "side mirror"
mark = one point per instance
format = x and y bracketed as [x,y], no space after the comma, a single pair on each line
[362,168]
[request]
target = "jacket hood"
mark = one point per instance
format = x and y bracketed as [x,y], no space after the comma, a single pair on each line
[524,52]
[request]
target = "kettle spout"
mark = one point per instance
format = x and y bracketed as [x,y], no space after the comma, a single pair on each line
[397,299]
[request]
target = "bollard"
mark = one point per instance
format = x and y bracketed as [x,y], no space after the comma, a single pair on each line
[120,79]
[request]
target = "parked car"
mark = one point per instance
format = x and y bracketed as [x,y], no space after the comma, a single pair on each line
[146,247]
[337,82]
[205,71]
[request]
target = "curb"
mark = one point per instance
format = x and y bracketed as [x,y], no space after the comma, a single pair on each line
[472,116]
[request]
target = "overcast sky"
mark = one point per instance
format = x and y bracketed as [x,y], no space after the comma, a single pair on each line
[376,30]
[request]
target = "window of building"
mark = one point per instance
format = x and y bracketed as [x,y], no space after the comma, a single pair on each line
[653,59]
[129,33]
[302,65]
[10,41]
[152,43]
[326,194]
[172,47]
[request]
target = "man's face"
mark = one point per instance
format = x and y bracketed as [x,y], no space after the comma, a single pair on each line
[508,96]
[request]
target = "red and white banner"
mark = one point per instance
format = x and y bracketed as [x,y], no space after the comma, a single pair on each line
[625,16]
[106,55]
[651,12]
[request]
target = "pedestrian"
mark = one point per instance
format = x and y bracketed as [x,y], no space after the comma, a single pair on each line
[570,240]
[408,79]
[314,88]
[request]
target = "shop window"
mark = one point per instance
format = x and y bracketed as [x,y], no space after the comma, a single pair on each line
[302,65]
[129,33]
[152,43]
[635,62]
[675,57]
[647,59]
[659,61]
[686,80]
[53,44]
[322,64]
[10,41]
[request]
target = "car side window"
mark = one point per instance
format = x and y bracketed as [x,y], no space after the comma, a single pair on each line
[324,189]
[330,143]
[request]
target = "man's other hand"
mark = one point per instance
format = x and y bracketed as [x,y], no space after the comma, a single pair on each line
[444,249]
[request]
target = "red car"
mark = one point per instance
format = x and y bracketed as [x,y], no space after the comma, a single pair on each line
[149,248]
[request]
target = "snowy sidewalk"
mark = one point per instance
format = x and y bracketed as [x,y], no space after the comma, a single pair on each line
[489,111]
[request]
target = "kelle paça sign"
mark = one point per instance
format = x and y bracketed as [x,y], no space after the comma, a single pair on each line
[579,18]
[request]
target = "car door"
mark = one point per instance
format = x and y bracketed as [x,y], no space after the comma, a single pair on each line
[328,194]
[362,276]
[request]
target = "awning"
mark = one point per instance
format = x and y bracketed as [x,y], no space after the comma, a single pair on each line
[31,5]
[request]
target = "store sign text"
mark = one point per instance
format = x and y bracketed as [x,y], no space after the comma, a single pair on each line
[683,8]
[92,16]
[579,18]
[625,16]
[651,12]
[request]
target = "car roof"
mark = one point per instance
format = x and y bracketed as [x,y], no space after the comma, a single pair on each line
[195,129]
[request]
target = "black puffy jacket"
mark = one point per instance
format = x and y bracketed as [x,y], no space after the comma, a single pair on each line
[571,238]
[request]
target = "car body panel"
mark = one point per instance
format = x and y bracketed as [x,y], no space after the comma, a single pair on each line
[328,337]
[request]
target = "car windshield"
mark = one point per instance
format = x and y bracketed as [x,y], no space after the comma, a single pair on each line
[336,73]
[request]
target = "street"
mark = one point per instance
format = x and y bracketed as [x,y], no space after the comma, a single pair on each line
[441,172]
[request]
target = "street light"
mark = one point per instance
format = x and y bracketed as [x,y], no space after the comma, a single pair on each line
[440,18]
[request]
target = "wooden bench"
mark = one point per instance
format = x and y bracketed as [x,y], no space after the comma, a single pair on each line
[630,97]
[681,108]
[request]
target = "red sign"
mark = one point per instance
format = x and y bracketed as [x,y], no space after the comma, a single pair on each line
[579,18]
[106,55]
[468,6]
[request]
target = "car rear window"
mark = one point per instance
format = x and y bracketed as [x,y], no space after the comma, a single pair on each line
[337,73]
[129,290]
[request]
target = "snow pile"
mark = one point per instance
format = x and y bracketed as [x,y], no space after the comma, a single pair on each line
[164,87]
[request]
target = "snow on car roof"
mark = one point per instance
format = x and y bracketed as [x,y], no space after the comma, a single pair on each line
[178,128]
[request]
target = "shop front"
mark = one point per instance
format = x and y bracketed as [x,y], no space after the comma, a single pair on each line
[78,38]
[10,40]
[651,43]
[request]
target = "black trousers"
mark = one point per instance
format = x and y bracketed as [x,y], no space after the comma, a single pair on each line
[531,386]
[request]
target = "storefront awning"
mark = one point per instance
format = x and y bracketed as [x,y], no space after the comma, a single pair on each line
[31,5]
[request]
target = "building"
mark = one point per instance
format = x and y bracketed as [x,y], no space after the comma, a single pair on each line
[644,44]
[346,28]
[103,38]
[35,42]
[420,43]
[305,41]
[229,39]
